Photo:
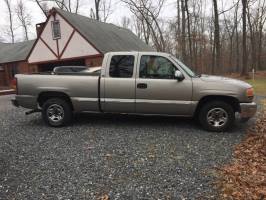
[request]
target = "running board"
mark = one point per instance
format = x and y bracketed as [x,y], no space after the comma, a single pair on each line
[32,111]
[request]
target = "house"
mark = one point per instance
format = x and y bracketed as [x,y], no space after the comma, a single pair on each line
[66,39]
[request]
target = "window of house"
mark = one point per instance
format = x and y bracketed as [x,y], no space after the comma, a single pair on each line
[56,30]
[156,67]
[2,68]
[122,66]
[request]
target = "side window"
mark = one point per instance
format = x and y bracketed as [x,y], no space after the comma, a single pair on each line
[156,67]
[122,66]
[56,30]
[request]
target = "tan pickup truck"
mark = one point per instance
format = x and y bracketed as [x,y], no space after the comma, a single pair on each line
[145,83]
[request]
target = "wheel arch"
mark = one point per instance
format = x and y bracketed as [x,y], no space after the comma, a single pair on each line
[44,96]
[234,102]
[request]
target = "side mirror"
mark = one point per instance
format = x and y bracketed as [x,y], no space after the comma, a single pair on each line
[179,76]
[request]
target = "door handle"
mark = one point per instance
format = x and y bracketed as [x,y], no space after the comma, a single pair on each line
[142,85]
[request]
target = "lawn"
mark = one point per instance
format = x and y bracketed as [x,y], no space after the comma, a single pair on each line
[259,85]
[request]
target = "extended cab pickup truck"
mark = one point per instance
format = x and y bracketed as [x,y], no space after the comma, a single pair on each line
[146,83]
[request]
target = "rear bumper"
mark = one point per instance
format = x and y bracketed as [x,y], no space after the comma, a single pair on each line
[248,110]
[15,102]
[25,101]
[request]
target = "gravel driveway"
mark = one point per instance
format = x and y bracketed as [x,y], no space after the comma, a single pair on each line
[124,157]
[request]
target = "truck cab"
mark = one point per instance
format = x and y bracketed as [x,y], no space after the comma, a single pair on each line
[145,83]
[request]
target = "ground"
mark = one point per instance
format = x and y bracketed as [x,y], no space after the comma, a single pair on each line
[124,157]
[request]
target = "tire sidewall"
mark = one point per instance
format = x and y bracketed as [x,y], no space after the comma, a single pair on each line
[216,104]
[67,112]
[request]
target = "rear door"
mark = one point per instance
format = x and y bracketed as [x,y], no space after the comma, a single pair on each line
[119,83]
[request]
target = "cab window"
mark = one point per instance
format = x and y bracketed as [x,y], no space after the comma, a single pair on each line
[122,66]
[156,67]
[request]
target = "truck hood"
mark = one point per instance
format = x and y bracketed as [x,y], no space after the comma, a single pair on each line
[209,78]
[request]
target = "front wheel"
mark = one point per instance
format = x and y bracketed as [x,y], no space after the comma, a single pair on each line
[217,116]
[56,112]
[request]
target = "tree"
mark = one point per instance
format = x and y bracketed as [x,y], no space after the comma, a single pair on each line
[217,46]
[24,18]
[102,10]
[189,34]
[125,22]
[10,17]
[244,39]
[148,12]
[70,5]
[97,9]
[43,6]
[183,40]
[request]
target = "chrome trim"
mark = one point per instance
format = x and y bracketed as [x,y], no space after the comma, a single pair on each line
[84,99]
[110,100]
[166,101]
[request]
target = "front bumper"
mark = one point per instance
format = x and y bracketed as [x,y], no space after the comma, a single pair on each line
[248,110]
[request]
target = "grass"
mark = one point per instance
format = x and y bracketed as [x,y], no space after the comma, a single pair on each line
[259,85]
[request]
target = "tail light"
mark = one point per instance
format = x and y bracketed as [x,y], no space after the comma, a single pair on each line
[14,85]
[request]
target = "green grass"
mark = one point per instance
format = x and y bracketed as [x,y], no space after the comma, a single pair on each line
[259,85]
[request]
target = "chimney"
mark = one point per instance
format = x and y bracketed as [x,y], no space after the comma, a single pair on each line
[39,28]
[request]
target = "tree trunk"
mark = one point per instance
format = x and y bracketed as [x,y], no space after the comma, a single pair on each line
[216,37]
[189,34]
[10,16]
[252,42]
[97,9]
[178,32]
[183,43]
[244,39]
[260,47]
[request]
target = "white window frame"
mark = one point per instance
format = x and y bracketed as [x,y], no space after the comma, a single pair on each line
[55,37]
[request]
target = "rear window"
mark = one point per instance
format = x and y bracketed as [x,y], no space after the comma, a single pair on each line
[122,66]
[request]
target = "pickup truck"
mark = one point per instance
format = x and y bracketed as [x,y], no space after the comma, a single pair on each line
[142,83]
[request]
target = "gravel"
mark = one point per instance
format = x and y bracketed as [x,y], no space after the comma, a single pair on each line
[124,157]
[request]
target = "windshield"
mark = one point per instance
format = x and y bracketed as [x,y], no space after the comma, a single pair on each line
[183,66]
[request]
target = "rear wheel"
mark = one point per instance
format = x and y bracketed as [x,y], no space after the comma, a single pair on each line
[217,116]
[56,112]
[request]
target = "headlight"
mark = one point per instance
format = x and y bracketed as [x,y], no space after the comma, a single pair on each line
[250,93]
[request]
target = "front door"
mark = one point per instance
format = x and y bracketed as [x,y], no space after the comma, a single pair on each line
[119,84]
[158,91]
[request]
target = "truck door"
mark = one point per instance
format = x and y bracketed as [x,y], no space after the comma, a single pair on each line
[119,83]
[157,89]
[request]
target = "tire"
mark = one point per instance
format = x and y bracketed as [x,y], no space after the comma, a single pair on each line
[57,112]
[216,116]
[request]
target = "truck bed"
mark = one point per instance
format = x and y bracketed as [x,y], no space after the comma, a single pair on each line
[81,88]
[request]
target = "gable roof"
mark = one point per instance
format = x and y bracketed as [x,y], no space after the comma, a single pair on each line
[15,52]
[104,36]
